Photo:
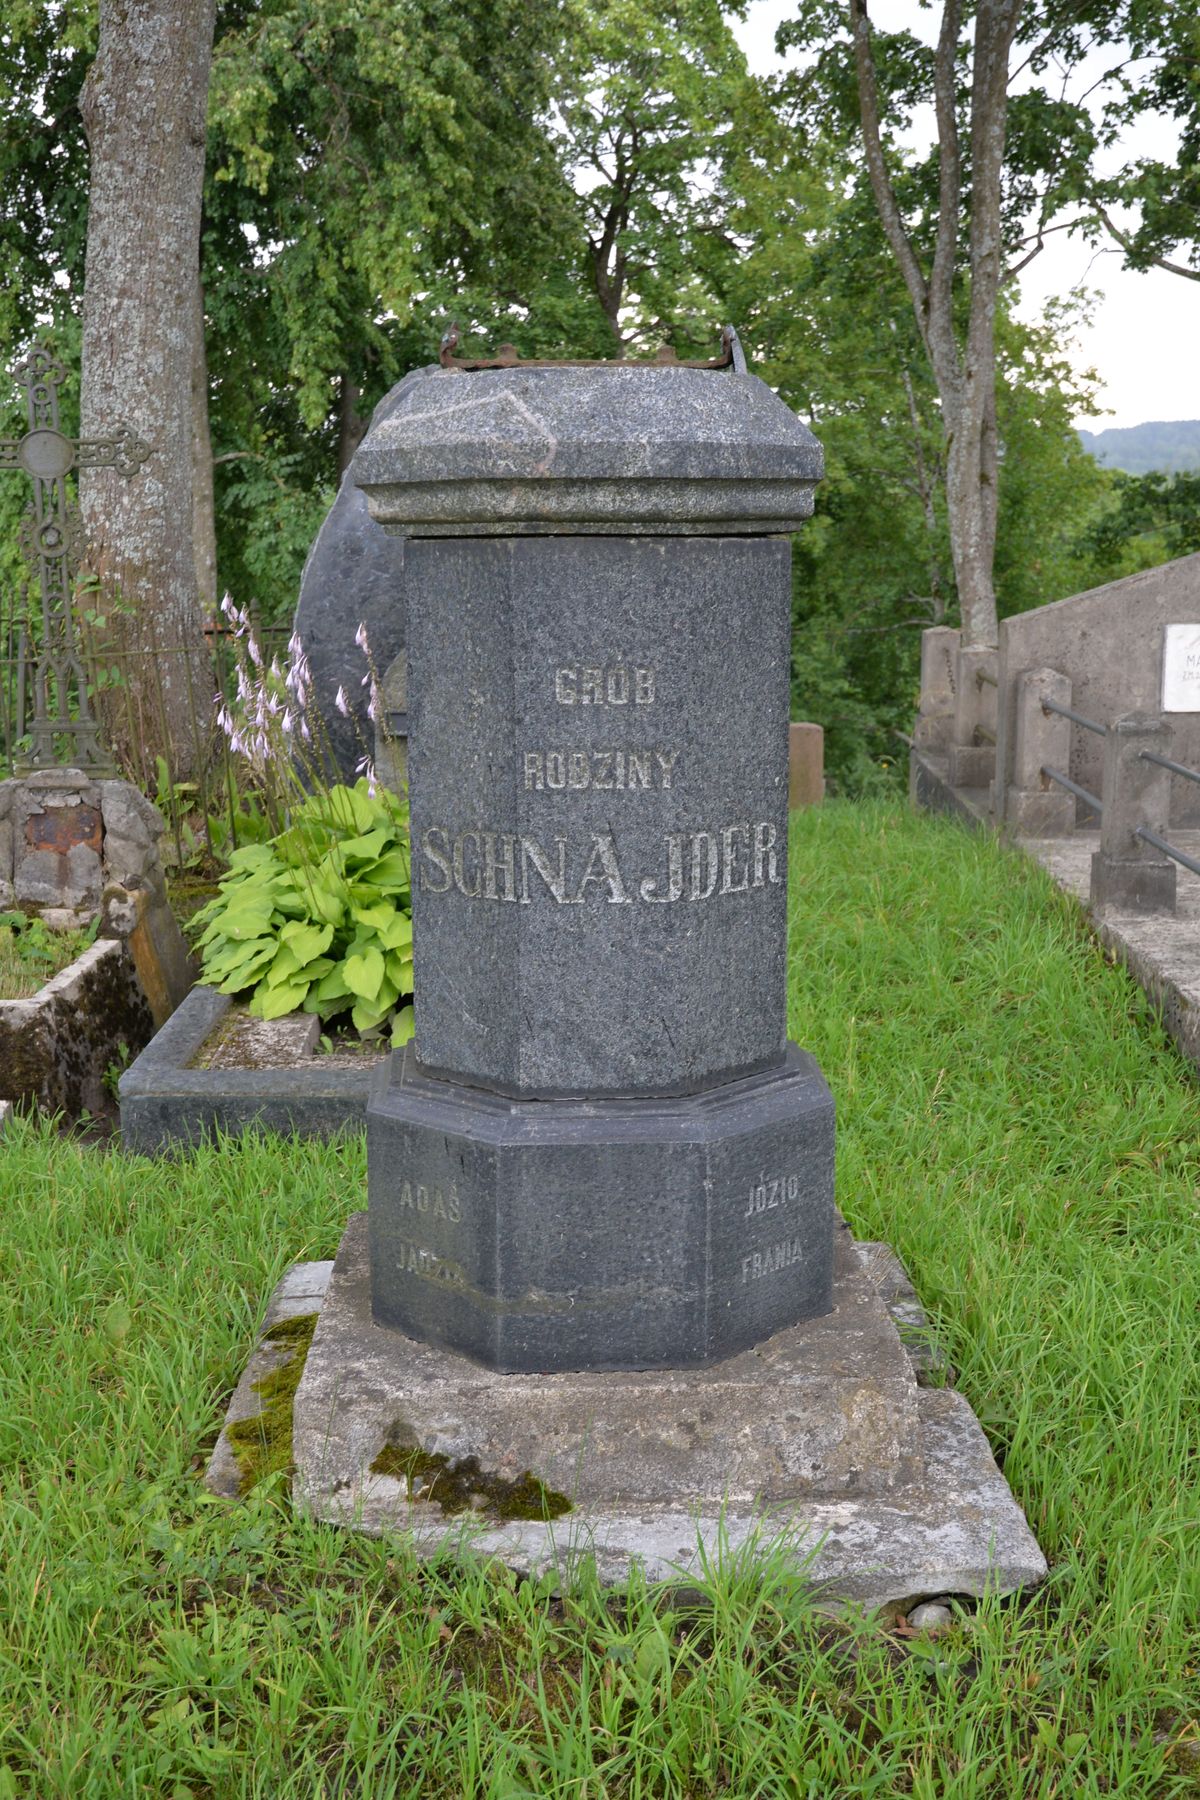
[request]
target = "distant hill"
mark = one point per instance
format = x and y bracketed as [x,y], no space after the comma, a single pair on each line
[1171,445]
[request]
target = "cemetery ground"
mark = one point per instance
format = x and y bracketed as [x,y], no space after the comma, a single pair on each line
[1011,1118]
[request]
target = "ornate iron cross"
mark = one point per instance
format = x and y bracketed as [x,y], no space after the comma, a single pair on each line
[51,538]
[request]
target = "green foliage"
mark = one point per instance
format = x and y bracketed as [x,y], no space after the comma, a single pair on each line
[1010,1116]
[30,953]
[319,919]
[1147,520]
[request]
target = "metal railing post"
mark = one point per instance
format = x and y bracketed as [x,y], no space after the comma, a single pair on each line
[1033,805]
[972,755]
[1128,873]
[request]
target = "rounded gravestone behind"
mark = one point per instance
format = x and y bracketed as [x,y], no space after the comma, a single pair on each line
[599,1151]
[354,575]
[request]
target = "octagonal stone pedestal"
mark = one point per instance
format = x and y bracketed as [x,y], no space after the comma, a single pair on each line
[631,1234]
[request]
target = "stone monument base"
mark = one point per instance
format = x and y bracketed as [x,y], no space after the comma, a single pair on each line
[884,1490]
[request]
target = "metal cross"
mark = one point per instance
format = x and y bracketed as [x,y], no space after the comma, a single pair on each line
[51,537]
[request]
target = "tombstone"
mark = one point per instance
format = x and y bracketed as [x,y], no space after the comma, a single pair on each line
[354,576]
[600,1298]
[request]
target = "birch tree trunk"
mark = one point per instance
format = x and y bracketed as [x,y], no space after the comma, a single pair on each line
[144,106]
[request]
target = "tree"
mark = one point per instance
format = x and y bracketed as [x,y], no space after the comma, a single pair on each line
[654,101]
[957,221]
[826,319]
[143,108]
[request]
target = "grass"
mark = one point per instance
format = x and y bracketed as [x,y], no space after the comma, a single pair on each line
[1010,1116]
[30,954]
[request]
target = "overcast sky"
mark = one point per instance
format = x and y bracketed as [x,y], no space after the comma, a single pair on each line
[1143,336]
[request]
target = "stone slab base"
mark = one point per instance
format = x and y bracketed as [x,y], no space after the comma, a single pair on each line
[893,1497]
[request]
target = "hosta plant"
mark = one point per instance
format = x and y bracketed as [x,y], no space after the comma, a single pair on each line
[319,919]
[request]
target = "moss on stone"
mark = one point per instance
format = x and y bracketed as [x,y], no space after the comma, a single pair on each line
[463,1486]
[262,1445]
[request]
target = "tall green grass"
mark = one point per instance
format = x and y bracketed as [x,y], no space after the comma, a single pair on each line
[1010,1117]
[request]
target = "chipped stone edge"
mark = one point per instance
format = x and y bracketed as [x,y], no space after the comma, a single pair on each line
[302,1290]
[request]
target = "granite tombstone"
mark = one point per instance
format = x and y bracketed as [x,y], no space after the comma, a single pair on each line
[600,1151]
[354,576]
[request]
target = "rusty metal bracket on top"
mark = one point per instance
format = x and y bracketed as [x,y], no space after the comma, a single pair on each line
[732,357]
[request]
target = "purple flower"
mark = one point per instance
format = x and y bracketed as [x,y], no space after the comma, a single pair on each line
[341,702]
[360,638]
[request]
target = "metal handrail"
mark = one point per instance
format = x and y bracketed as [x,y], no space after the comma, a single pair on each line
[1152,837]
[985,736]
[1073,787]
[1164,762]
[1065,712]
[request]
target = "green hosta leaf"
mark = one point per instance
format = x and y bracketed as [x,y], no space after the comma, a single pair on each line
[397,933]
[253,857]
[392,870]
[284,965]
[364,849]
[333,985]
[367,1014]
[402,1026]
[306,941]
[246,924]
[399,971]
[273,1002]
[376,918]
[232,973]
[363,972]
[326,903]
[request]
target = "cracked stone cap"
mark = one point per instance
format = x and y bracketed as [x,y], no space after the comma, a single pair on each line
[612,447]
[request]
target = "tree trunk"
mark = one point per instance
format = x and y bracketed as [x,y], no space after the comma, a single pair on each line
[965,371]
[204,513]
[144,106]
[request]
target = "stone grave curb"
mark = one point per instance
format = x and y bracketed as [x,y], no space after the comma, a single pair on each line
[166,1105]
[57,1045]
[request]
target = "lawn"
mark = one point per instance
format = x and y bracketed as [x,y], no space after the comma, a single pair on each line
[1010,1116]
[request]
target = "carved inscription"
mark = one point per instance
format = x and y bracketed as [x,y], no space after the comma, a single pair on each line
[620,685]
[429,1265]
[431,1202]
[617,770]
[507,866]
[770,1261]
[772,1192]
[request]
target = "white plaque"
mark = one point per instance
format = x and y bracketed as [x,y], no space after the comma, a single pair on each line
[1181,669]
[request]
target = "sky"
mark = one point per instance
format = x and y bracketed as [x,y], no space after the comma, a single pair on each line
[1142,337]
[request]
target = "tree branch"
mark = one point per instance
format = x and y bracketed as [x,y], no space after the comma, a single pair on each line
[1126,242]
[881,183]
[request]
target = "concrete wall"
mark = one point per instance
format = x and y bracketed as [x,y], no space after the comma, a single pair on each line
[1109,643]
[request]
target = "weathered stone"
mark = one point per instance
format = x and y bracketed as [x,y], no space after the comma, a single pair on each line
[566,1235]
[598,783]
[167,1103]
[299,1294]
[806,765]
[618,449]
[599,794]
[354,576]
[57,1047]
[139,913]
[932,1617]
[811,1437]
